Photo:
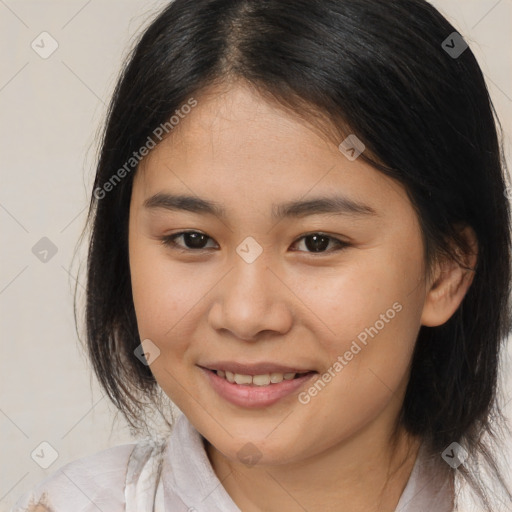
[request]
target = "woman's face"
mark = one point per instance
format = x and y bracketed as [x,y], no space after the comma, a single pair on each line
[260,287]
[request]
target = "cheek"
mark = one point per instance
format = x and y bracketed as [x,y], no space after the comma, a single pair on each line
[166,299]
[349,300]
[369,314]
[375,320]
[164,293]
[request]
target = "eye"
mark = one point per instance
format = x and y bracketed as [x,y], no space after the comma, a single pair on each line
[318,242]
[196,241]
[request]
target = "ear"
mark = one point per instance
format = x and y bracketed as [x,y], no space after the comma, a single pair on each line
[450,282]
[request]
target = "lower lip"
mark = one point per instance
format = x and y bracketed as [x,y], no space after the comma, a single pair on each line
[251,396]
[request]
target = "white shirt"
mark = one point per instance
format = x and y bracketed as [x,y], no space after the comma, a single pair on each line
[174,474]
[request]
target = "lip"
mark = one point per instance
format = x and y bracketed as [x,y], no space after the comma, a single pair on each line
[261,368]
[252,397]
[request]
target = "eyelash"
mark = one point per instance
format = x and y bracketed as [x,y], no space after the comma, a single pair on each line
[170,241]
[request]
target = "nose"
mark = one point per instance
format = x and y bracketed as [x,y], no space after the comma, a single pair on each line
[252,301]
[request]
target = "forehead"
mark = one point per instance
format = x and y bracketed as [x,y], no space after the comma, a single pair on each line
[235,145]
[236,122]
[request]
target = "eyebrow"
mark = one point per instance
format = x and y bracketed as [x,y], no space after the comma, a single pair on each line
[337,205]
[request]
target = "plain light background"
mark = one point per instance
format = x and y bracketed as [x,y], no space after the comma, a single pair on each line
[51,111]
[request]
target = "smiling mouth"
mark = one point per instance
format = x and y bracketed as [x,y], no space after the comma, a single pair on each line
[259,389]
[264,379]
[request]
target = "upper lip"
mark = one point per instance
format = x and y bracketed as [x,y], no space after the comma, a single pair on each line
[253,369]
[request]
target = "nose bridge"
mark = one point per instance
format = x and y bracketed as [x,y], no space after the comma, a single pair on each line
[251,298]
[250,284]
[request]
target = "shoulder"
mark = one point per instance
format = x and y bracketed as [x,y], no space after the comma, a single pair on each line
[91,483]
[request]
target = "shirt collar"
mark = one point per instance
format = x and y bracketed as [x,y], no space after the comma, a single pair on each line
[188,472]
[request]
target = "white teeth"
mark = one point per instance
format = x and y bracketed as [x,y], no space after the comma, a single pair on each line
[243,379]
[261,380]
[256,380]
[275,378]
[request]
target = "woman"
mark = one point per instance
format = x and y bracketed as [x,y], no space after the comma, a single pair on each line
[299,234]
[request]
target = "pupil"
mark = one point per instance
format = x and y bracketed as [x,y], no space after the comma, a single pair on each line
[194,240]
[319,243]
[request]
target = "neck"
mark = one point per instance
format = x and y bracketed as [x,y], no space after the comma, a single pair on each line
[365,473]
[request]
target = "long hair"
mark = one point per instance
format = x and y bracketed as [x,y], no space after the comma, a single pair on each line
[380,70]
